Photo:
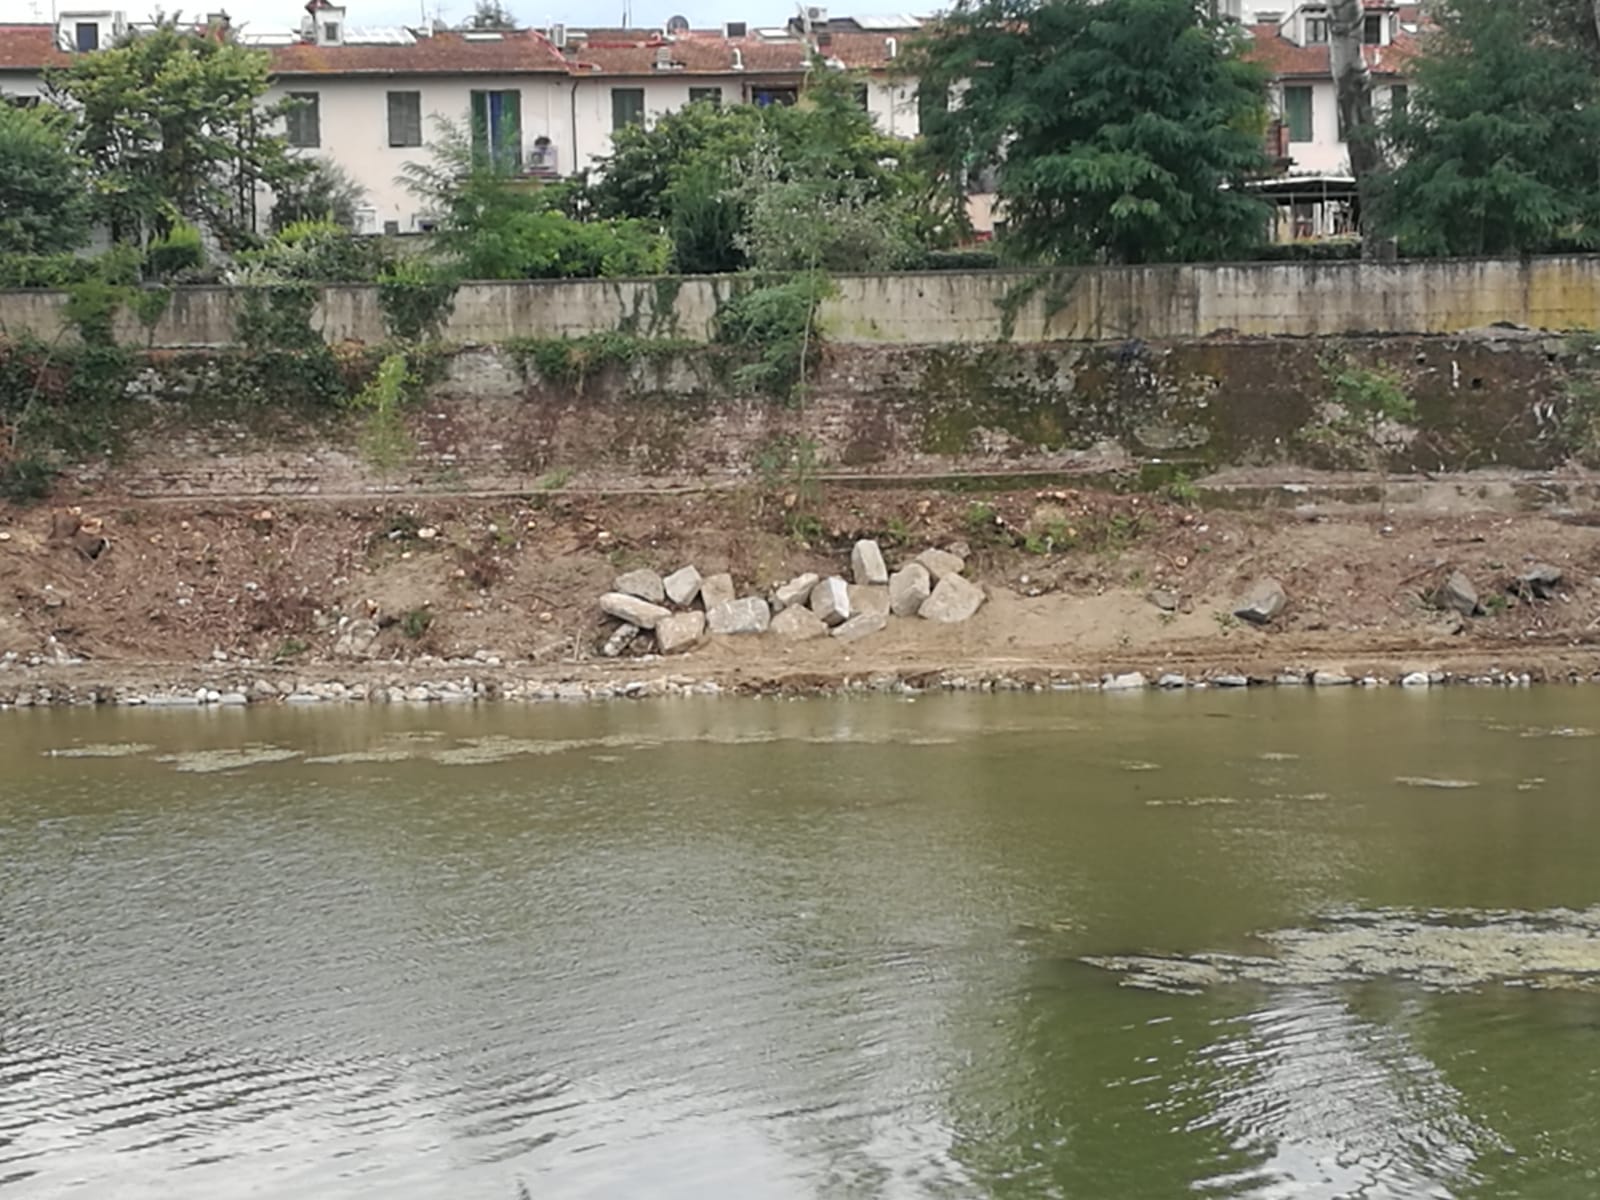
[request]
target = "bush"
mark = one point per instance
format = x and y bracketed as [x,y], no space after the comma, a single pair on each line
[1338,251]
[416,297]
[775,325]
[179,250]
[961,260]
[318,252]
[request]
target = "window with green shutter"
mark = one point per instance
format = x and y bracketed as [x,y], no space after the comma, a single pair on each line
[304,120]
[1297,112]
[627,107]
[405,118]
[706,95]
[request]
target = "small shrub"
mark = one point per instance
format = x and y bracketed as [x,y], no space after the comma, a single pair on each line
[416,297]
[415,623]
[177,251]
[775,327]
[25,480]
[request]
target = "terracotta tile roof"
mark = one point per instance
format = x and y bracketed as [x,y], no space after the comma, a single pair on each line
[708,54]
[518,52]
[29,48]
[867,51]
[1282,57]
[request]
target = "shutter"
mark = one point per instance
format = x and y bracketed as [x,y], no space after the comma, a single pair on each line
[480,124]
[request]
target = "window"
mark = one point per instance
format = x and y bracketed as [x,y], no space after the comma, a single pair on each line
[1297,111]
[405,118]
[1399,98]
[706,95]
[863,97]
[627,107]
[87,35]
[766,97]
[932,104]
[1316,31]
[330,33]
[305,120]
[1372,29]
[497,128]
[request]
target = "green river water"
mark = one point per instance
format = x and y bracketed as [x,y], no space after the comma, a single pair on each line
[1267,944]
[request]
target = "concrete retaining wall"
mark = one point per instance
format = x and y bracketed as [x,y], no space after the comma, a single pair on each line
[1164,303]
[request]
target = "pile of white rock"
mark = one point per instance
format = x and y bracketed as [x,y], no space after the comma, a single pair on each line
[679,610]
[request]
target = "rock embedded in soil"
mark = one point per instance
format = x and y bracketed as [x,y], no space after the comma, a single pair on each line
[356,640]
[1165,599]
[1456,594]
[680,632]
[866,563]
[864,599]
[798,623]
[952,600]
[750,615]
[1539,581]
[643,583]
[939,563]
[1262,603]
[632,610]
[830,600]
[621,638]
[787,595]
[908,588]
[862,625]
[682,586]
[1330,678]
[717,590]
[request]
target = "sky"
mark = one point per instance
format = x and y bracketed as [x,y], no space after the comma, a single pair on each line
[282,14]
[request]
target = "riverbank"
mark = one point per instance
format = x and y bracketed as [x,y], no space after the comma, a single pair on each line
[230,602]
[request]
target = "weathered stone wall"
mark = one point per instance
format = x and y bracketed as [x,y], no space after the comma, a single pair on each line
[1162,303]
[1199,405]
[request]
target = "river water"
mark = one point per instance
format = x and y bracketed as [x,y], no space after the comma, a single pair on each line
[1308,944]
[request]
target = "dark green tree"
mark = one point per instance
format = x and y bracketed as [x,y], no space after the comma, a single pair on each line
[1499,148]
[324,193]
[173,124]
[44,205]
[1121,130]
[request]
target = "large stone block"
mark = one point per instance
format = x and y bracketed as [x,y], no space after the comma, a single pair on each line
[953,599]
[797,623]
[794,592]
[680,631]
[908,588]
[643,583]
[866,563]
[750,615]
[861,625]
[865,599]
[830,600]
[717,590]
[632,610]
[1264,601]
[682,586]
[940,563]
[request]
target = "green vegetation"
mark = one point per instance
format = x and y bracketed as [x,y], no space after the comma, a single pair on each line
[1122,130]
[1499,140]
[572,362]
[1362,423]
[385,441]
[44,204]
[774,327]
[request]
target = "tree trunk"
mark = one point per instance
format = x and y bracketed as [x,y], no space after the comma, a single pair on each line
[1354,89]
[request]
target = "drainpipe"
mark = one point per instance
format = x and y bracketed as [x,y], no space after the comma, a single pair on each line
[573,170]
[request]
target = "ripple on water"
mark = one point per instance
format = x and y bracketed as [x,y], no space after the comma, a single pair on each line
[102,750]
[1424,781]
[205,762]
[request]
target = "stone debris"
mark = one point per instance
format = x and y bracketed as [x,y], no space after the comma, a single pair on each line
[1230,681]
[796,591]
[865,599]
[1456,594]
[681,631]
[797,623]
[830,600]
[908,588]
[1416,679]
[643,583]
[866,563]
[1165,599]
[1172,680]
[1330,678]
[750,615]
[716,590]
[1131,681]
[356,639]
[1264,600]
[682,586]
[940,563]
[953,599]
[1539,581]
[862,625]
[621,638]
[632,610]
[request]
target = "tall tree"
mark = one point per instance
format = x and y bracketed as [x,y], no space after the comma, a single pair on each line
[173,124]
[489,15]
[1499,148]
[1353,93]
[43,204]
[1121,129]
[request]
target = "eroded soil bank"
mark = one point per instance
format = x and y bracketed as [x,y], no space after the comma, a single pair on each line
[483,597]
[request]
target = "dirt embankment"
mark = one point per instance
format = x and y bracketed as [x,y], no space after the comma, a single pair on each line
[193,592]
